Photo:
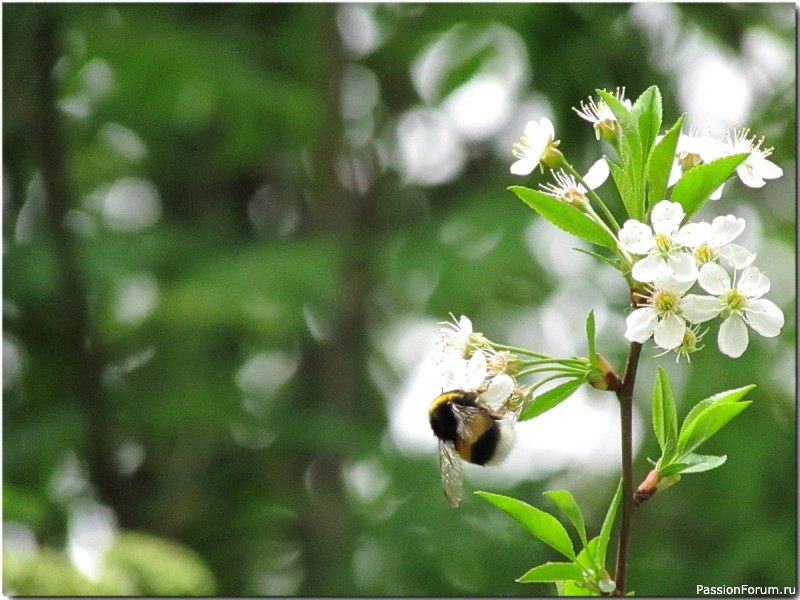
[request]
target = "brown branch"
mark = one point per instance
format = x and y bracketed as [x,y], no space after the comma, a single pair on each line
[625,397]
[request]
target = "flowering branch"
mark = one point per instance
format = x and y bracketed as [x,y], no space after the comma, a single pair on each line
[662,255]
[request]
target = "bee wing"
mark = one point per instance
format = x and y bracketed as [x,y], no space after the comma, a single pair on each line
[465,415]
[452,477]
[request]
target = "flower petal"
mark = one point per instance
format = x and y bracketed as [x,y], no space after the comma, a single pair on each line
[650,268]
[666,217]
[546,129]
[764,316]
[597,174]
[636,237]
[733,339]
[749,174]
[693,234]
[476,371]
[524,166]
[769,170]
[682,266]
[737,256]
[640,325]
[724,230]
[699,309]
[669,332]
[714,279]
[499,390]
[753,283]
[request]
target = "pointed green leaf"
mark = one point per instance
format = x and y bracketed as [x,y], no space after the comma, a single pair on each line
[659,164]
[698,183]
[646,111]
[707,423]
[672,469]
[627,192]
[550,399]
[605,530]
[697,463]
[553,571]
[665,415]
[567,505]
[727,396]
[631,156]
[565,217]
[590,330]
[541,524]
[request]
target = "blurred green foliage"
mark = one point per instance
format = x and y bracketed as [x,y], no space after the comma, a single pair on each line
[239,317]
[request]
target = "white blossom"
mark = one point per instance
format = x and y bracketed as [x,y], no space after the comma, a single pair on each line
[569,190]
[661,318]
[663,245]
[710,242]
[599,114]
[739,305]
[757,167]
[532,146]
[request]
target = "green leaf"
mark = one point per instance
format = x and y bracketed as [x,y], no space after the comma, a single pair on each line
[541,524]
[697,463]
[707,424]
[672,469]
[727,396]
[590,331]
[627,192]
[565,217]
[665,415]
[698,183]
[646,112]
[550,399]
[567,505]
[659,164]
[553,571]
[608,525]
[631,156]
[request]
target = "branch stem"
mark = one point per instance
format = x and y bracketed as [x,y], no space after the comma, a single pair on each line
[625,397]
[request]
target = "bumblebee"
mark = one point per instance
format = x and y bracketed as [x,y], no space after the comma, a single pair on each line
[469,430]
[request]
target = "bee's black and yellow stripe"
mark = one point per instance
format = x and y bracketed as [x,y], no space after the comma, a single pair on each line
[450,408]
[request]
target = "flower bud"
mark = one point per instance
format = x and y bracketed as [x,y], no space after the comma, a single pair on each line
[603,377]
[652,484]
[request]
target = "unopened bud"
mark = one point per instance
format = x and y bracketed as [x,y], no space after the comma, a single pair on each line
[652,484]
[603,377]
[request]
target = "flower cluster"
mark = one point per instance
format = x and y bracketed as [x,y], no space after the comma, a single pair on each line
[669,257]
[674,258]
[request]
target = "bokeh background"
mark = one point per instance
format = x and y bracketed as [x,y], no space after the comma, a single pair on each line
[229,232]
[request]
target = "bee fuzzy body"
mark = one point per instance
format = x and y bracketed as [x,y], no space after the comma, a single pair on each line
[470,431]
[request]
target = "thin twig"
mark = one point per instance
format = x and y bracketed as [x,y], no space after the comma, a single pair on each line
[625,396]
